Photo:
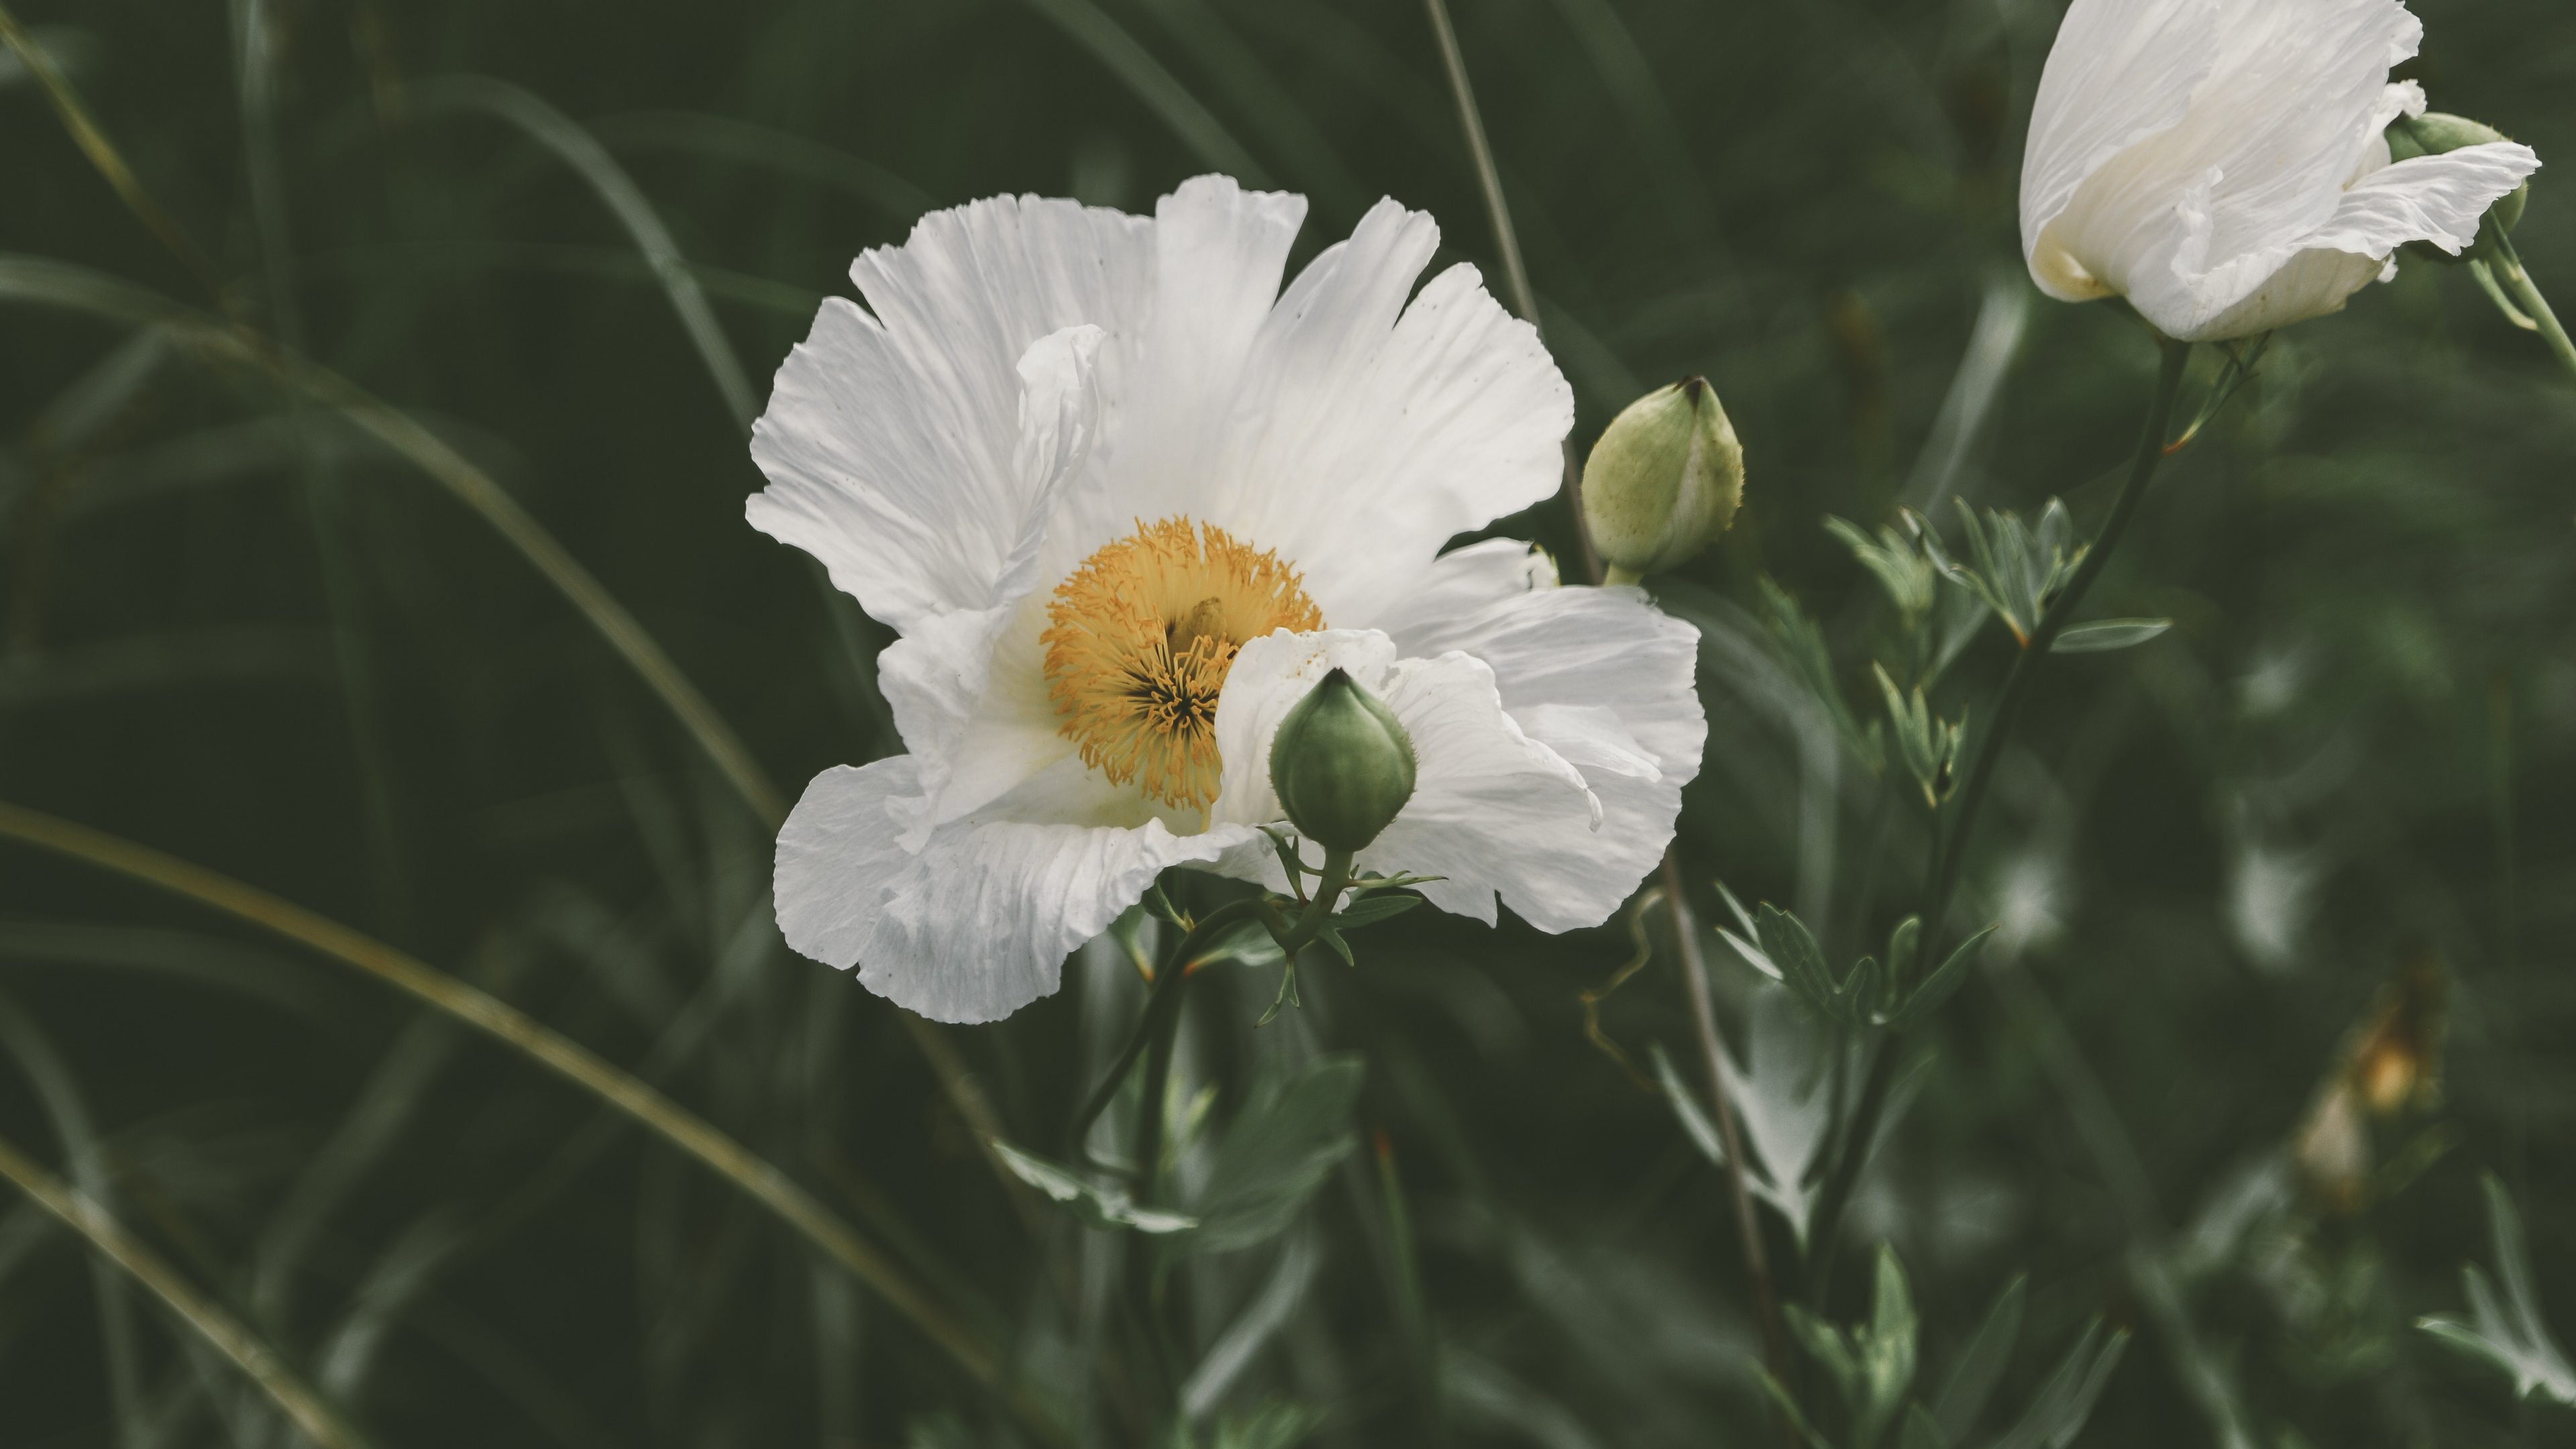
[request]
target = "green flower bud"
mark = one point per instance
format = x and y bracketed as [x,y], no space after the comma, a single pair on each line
[1342,764]
[1663,481]
[2433,134]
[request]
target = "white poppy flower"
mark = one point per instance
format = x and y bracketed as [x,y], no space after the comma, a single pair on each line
[2220,163]
[1126,502]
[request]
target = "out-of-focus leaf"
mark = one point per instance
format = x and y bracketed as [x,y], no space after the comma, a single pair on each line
[2507,1332]
[1940,986]
[2104,635]
[2058,1413]
[1273,1156]
[1981,1365]
[1886,1351]
[1922,1431]
[1261,1319]
[1108,1209]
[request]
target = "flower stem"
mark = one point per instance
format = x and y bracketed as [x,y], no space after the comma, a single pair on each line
[1489,180]
[1949,848]
[2507,266]
[1748,1226]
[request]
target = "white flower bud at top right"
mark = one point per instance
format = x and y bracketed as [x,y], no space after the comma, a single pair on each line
[2220,163]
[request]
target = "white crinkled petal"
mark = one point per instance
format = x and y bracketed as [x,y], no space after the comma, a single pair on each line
[2120,72]
[1493,810]
[839,853]
[2236,217]
[1369,432]
[890,441]
[976,922]
[1599,675]
[979,923]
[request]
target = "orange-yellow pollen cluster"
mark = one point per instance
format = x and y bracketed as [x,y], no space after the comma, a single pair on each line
[1139,642]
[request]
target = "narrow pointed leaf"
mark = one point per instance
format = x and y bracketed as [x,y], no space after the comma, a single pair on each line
[2104,635]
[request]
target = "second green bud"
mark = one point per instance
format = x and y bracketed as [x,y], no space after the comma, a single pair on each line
[1664,481]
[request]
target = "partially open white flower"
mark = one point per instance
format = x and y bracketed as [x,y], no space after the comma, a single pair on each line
[1126,503]
[2220,163]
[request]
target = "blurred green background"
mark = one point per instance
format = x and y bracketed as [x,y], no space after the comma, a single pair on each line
[234,628]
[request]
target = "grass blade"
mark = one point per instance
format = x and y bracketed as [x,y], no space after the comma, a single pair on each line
[262,1364]
[1162,93]
[102,153]
[52,1078]
[513,1028]
[62,284]
[582,152]
[742,143]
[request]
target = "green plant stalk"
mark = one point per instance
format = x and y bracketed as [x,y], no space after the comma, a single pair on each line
[1950,846]
[1507,242]
[1410,1308]
[1748,1225]
[263,1365]
[1489,180]
[103,155]
[2506,263]
[683,1129]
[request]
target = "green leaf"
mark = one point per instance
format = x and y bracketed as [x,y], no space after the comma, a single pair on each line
[2507,1332]
[2104,635]
[1981,1365]
[2058,1413]
[1786,942]
[1886,1352]
[1940,986]
[1685,1104]
[1372,909]
[1830,1349]
[1922,1431]
[1274,1155]
[1108,1209]
[1287,995]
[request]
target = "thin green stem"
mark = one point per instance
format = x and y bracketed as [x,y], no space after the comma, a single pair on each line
[1949,849]
[1507,241]
[2506,263]
[1748,1226]
[1410,1306]
[103,155]
[263,1365]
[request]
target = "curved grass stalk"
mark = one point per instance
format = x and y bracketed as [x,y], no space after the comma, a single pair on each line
[102,153]
[1197,127]
[62,284]
[581,151]
[51,1076]
[746,143]
[309,1411]
[674,1123]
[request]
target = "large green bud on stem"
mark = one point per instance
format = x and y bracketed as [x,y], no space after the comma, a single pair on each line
[1664,480]
[2435,134]
[1342,764]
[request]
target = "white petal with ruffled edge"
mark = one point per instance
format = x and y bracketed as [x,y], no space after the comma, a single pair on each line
[1493,811]
[975,923]
[1598,675]
[2222,167]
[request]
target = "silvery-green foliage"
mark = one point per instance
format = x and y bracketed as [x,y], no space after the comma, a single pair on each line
[2014,569]
[2507,1330]
[1927,743]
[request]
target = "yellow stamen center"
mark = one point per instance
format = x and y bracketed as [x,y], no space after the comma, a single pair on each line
[1140,641]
